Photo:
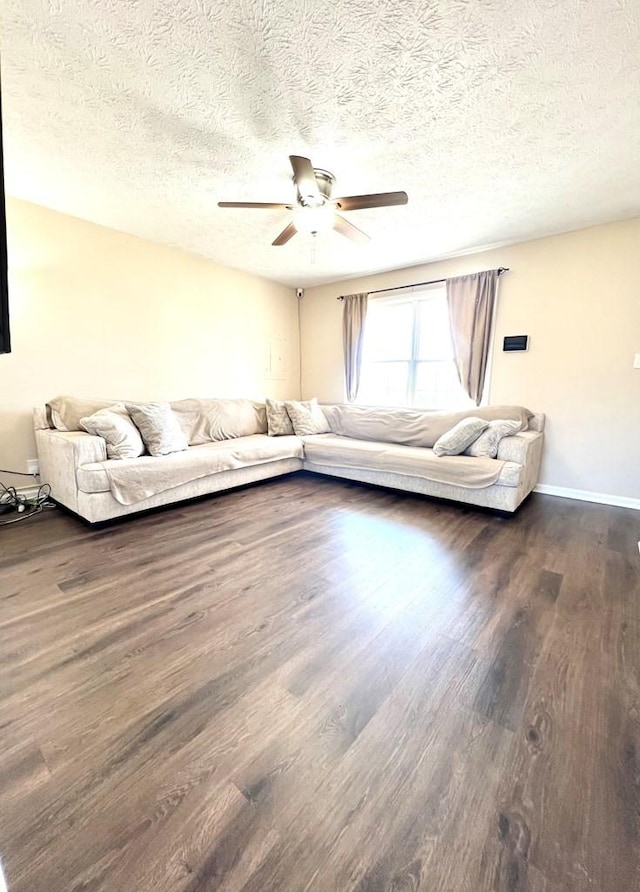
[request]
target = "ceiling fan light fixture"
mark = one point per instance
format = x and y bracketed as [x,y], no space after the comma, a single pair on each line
[312,220]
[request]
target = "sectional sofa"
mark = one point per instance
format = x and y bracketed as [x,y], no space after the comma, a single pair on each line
[229,445]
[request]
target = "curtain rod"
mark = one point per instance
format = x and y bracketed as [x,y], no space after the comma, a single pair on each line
[501,270]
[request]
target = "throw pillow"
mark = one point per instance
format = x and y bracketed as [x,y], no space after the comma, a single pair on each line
[461,435]
[486,446]
[278,421]
[307,417]
[159,427]
[117,429]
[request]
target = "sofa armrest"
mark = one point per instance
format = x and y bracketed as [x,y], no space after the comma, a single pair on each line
[524,448]
[518,447]
[60,453]
[537,422]
[40,419]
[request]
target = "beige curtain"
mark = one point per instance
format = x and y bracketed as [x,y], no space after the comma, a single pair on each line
[471,301]
[354,314]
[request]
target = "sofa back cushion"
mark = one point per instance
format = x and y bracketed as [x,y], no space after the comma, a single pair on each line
[202,420]
[206,420]
[411,427]
[64,413]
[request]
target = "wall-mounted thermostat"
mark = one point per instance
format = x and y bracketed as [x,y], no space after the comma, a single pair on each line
[513,343]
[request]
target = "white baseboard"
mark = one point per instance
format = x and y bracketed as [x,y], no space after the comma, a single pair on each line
[583,495]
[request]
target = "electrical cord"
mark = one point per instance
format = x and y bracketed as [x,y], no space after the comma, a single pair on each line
[17,473]
[25,506]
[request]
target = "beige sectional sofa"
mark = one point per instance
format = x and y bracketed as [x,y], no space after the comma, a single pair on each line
[387,447]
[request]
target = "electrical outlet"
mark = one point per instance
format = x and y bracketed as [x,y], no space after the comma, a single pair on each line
[33,467]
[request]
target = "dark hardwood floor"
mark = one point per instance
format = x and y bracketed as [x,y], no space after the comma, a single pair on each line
[316,685]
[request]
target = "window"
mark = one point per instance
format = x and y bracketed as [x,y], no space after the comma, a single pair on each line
[408,353]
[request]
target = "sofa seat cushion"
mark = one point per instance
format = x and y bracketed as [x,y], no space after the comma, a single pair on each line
[458,470]
[132,480]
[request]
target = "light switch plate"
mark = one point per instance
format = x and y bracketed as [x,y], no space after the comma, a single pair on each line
[636,361]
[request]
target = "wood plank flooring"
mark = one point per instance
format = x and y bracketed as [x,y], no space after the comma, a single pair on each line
[316,685]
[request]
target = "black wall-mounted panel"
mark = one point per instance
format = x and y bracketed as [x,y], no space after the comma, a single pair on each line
[513,343]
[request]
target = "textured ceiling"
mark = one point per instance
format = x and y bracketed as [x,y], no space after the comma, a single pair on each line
[502,119]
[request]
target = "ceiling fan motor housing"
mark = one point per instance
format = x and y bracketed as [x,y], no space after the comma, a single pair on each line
[325,181]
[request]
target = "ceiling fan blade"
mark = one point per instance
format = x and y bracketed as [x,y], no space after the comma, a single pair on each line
[375,200]
[305,178]
[287,233]
[349,230]
[254,204]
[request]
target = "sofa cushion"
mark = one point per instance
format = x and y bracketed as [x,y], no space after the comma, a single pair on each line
[411,427]
[307,417]
[487,443]
[64,413]
[470,473]
[278,421]
[158,427]
[132,480]
[118,431]
[204,420]
[461,435]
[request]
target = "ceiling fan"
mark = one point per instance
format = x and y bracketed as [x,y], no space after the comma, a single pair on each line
[315,210]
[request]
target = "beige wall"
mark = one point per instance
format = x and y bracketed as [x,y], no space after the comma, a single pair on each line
[98,313]
[578,298]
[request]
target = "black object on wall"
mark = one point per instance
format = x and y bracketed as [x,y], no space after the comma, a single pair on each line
[5,338]
[513,343]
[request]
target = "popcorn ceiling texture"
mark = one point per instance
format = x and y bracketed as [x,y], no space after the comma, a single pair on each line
[503,120]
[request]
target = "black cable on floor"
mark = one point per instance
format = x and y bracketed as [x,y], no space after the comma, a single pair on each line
[24,506]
